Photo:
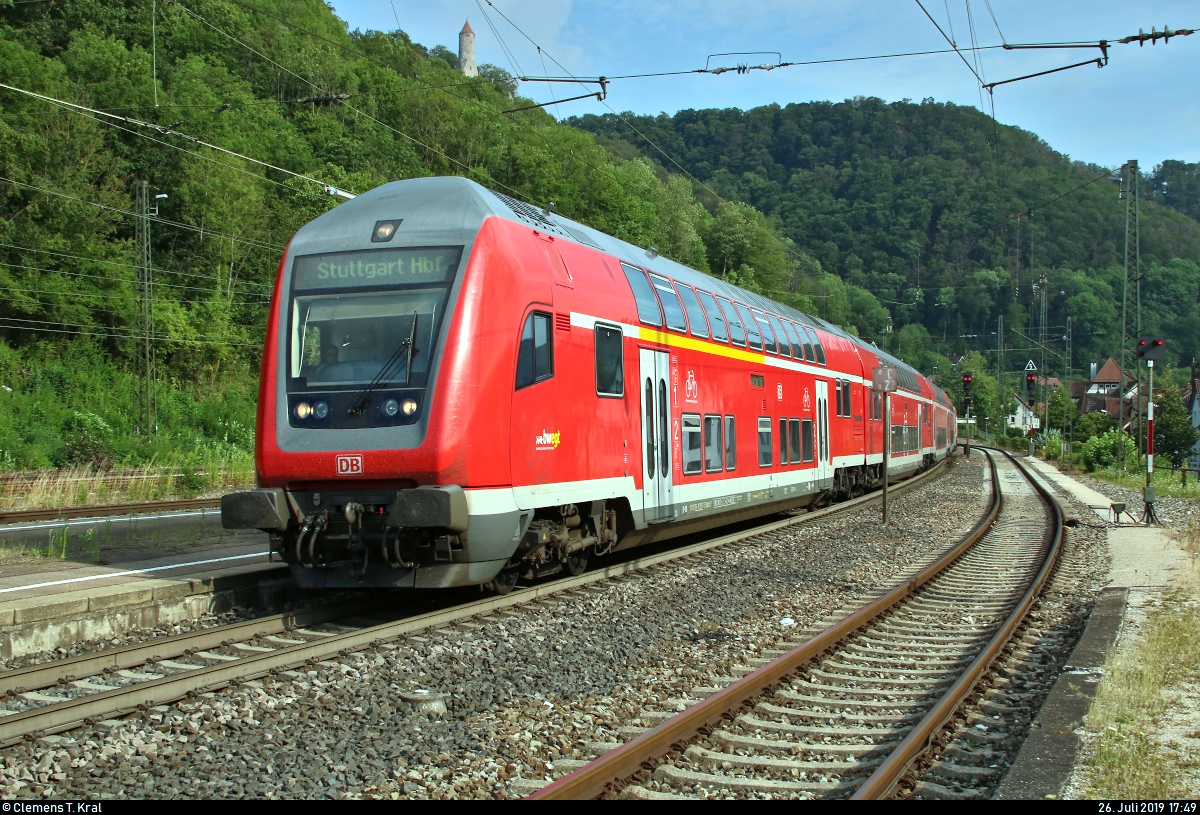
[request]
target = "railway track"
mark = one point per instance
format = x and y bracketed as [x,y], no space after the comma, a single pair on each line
[848,712]
[21,516]
[64,694]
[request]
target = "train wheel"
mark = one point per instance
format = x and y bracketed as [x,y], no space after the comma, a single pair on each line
[576,563]
[505,581]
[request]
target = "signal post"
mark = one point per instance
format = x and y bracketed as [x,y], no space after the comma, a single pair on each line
[884,380]
[967,380]
[1149,349]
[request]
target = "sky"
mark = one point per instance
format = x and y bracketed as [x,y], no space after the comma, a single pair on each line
[1144,105]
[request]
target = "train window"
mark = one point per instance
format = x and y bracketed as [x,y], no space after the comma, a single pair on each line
[748,321]
[846,398]
[670,303]
[806,439]
[730,443]
[735,322]
[649,427]
[535,358]
[797,344]
[764,441]
[783,441]
[692,461]
[712,443]
[817,346]
[837,387]
[695,313]
[785,346]
[767,334]
[610,375]
[802,330]
[877,405]
[794,427]
[647,303]
[716,321]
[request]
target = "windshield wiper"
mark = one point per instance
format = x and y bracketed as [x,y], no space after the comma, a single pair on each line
[363,398]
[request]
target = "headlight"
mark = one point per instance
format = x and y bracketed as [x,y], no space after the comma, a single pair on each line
[303,410]
[410,407]
[390,408]
[321,410]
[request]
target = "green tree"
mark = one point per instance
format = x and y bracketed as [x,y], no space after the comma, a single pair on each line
[1093,424]
[1174,435]
[1060,409]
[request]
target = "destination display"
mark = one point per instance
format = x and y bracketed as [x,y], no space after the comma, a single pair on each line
[375,267]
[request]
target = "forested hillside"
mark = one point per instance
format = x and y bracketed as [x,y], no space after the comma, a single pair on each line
[894,221]
[352,110]
[910,202]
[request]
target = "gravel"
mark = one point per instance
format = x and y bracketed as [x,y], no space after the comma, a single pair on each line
[237,614]
[1021,682]
[1171,512]
[526,691]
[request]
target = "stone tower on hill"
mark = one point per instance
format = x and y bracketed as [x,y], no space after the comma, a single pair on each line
[466,51]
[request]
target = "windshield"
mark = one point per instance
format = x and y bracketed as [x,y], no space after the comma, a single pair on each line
[356,339]
[362,332]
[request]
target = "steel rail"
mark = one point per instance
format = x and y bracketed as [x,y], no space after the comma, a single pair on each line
[72,713]
[48,674]
[883,782]
[149,508]
[593,779]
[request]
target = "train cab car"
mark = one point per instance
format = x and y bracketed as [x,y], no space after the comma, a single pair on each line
[459,388]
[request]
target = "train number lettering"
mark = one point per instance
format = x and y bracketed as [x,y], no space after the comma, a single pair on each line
[349,465]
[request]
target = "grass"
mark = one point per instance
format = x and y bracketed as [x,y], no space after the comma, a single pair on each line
[55,549]
[86,486]
[1166,483]
[1127,759]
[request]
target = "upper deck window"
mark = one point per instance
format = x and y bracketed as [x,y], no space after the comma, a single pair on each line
[813,344]
[670,303]
[643,294]
[720,332]
[797,343]
[735,322]
[785,347]
[751,327]
[695,313]
[765,329]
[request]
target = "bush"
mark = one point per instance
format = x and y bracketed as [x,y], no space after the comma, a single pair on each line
[1101,451]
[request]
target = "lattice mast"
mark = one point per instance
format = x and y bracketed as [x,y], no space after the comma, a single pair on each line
[1130,191]
[145,403]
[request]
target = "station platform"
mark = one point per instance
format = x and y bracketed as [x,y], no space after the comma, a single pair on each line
[49,603]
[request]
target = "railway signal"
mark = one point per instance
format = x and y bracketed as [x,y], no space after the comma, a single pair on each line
[1152,350]
[1030,384]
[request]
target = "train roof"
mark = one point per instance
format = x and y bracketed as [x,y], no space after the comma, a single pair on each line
[442,191]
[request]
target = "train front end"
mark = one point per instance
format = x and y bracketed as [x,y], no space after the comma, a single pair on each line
[361,432]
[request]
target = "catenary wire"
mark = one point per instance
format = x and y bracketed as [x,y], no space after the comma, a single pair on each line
[155,218]
[267,286]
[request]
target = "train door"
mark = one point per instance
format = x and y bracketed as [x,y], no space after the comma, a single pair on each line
[824,454]
[655,389]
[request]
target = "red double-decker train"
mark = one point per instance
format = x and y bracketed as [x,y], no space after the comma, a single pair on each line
[459,388]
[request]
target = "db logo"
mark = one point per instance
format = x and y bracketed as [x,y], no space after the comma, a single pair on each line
[349,465]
